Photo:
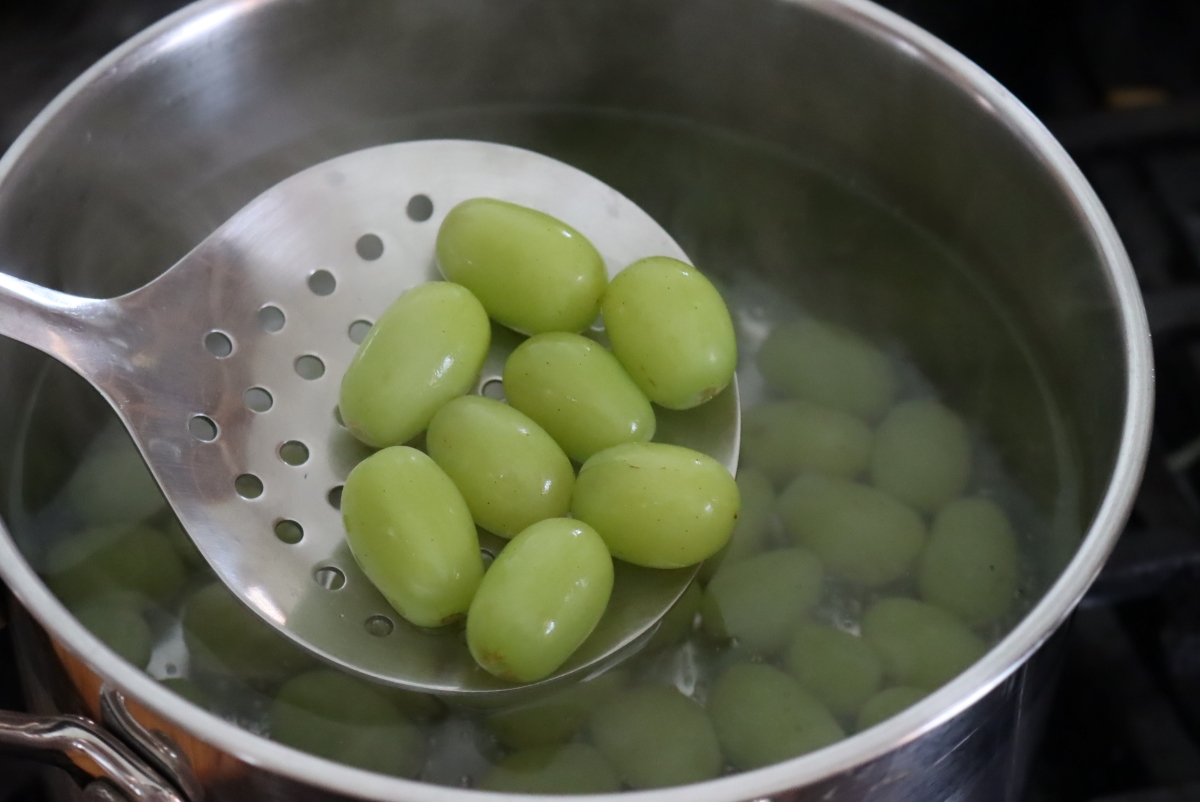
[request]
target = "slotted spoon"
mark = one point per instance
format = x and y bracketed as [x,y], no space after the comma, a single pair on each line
[226,368]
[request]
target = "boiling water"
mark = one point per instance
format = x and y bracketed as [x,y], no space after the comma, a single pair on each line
[781,239]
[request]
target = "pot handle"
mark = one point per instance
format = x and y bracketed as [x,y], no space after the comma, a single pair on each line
[86,751]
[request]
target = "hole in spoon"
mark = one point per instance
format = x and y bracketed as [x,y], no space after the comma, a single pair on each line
[488,558]
[322,283]
[358,331]
[203,428]
[218,344]
[310,367]
[289,531]
[380,626]
[330,577]
[293,452]
[271,319]
[419,209]
[337,416]
[257,399]
[334,497]
[248,486]
[369,247]
[493,389]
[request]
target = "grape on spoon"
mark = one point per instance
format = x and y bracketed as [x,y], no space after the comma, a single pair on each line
[225,369]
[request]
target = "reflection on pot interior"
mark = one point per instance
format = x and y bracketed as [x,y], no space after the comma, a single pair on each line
[904,487]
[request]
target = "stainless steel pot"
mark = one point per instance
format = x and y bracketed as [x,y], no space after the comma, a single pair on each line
[164,139]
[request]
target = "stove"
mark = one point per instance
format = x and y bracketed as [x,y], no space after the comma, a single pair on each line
[1118,81]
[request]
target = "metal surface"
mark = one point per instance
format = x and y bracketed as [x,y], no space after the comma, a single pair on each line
[86,751]
[226,371]
[156,748]
[172,134]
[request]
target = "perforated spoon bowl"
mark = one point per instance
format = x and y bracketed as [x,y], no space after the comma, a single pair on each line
[226,368]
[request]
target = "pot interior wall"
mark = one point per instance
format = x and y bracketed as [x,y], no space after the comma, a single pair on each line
[754,130]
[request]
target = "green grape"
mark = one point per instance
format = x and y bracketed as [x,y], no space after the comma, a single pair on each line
[335,716]
[657,505]
[119,557]
[829,366]
[510,472]
[411,533]
[886,704]
[656,737]
[540,600]
[785,438]
[553,719]
[182,542]
[841,670]
[224,636]
[416,706]
[969,566]
[671,330]
[677,623]
[859,532]
[759,600]
[424,350]
[919,644]
[578,392]
[753,523]
[112,483]
[187,689]
[922,455]
[532,272]
[569,769]
[116,619]
[763,716]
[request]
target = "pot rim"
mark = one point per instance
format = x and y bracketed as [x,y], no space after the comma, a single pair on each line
[937,708]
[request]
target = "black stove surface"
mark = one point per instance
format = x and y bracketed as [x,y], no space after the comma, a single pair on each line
[1118,81]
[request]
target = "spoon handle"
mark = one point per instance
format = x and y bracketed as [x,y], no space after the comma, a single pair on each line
[79,332]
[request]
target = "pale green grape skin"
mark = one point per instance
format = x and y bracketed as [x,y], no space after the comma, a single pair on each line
[920,645]
[335,716]
[553,719]
[411,533]
[425,349]
[759,601]
[656,737]
[578,392]
[657,505]
[187,689]
[857,531]
[969,566]
[753,523]
[223,636]
[677,623]
[117,620]
[671,330]
[763,716]
[922,455]
[532,273]
[785,438]
[886,704]
[118,557]
[112,483]
[542,597]
[829,366]
[840,669]
[510,472]
[569,769]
